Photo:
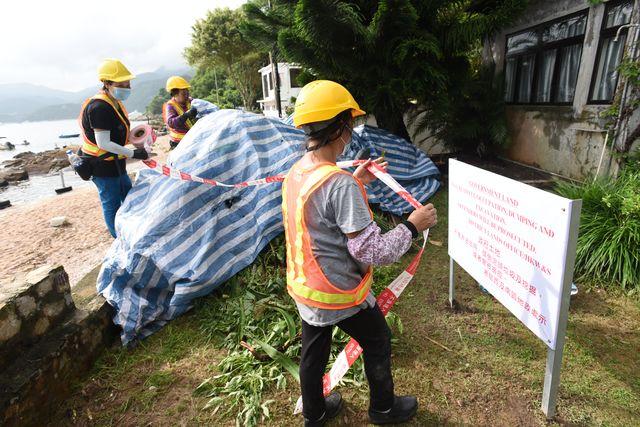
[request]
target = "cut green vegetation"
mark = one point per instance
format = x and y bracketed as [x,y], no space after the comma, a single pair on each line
[228,360]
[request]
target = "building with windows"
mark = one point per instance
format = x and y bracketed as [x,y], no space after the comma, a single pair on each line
[560,64]
[289,88]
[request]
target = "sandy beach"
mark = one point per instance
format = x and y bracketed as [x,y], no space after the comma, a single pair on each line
[29,242]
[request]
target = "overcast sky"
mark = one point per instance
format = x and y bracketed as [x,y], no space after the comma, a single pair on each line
[59,43]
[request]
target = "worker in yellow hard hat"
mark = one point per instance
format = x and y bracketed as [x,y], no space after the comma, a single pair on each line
[178,114]
[332,243]
[104,125]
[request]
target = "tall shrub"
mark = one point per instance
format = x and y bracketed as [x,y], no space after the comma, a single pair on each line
[609,241]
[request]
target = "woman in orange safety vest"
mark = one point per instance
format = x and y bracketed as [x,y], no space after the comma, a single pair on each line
[332,242]
[104,124]
[178,114]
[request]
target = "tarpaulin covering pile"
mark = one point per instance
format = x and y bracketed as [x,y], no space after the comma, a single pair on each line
[204,107]
[409,165]
[179,240]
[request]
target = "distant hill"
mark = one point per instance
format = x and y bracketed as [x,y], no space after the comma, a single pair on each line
[23,101]
[54,112]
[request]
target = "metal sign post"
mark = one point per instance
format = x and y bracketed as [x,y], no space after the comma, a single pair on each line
[452,290]
[519,243]
[554,357]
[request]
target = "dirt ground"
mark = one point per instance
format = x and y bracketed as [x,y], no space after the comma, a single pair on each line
[29,242]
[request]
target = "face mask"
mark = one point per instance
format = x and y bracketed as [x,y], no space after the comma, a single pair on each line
[121,93]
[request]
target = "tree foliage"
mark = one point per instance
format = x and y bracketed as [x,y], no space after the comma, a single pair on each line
[216,41]
[393,55]
[214,85]
[263,22]
[469,115]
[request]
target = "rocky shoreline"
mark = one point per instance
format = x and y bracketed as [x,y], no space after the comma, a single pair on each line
[28,163]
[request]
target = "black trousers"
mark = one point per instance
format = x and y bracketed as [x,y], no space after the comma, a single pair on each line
[370,329]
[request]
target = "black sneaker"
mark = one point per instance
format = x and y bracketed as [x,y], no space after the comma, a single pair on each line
[333,405]
[403,409]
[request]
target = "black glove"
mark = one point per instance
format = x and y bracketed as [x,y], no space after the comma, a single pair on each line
[140,154]
[192,113]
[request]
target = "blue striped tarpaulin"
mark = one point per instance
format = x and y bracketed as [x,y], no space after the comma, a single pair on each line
[204,107]
[409,165]
[288,120]
[179,240]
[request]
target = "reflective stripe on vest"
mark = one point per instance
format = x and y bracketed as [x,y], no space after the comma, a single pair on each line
[306,282]
[176,135]
[91,148]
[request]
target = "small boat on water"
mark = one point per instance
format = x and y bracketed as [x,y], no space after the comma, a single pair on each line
[69,135]
[6,146]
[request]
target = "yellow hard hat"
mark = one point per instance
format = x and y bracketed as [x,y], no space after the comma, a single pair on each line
[177,82]
[323,100]
[113,70]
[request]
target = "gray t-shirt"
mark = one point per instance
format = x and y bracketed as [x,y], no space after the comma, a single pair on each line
[332,211]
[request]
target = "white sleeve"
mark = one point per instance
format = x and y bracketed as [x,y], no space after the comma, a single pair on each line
[103,139]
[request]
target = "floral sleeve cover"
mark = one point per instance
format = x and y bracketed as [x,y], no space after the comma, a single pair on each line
[373,247]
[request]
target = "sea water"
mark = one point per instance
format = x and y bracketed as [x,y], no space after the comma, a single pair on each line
[42,136]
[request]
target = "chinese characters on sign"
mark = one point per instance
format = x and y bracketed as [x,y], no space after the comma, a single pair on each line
[512,239]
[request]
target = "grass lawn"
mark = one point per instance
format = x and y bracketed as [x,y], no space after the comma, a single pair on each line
[490,374]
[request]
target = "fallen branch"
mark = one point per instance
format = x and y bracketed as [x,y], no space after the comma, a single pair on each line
[261,357]
[438,344]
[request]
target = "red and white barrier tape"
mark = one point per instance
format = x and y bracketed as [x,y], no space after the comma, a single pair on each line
[183,176]
[387,297]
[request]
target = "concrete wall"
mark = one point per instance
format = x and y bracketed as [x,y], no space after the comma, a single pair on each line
[567,140]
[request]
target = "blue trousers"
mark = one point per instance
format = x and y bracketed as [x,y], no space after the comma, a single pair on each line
[112,191]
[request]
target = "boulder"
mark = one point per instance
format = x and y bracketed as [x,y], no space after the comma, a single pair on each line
[41,163]
[58,163]
[26,154]
[14,174]
[13,163]
[3,183]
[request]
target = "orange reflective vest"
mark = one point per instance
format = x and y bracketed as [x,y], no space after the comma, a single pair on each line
[91,148]
[176,135]
[306,283]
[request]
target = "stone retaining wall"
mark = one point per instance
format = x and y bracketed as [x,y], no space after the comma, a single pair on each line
[31,309]
[46,344]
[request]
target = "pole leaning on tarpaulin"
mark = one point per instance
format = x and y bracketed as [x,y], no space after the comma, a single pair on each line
[554,357]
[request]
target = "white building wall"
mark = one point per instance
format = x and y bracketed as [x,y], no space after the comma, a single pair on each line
[287,91]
